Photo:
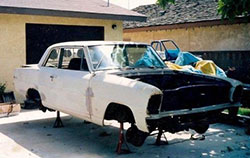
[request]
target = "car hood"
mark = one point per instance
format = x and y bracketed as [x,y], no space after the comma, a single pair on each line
[169,79]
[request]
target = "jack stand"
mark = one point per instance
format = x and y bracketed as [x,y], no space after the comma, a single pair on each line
[197,136]
[58,123]
[158,141]
[119,149]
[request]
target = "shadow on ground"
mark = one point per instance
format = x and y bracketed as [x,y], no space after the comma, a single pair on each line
[78,139]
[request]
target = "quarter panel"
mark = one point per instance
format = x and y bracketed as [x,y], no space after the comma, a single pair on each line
[25,78]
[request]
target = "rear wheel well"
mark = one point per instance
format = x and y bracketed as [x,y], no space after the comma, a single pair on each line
[33,94]
[119,112]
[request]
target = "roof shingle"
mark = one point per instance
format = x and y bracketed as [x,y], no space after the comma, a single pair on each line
[183,11]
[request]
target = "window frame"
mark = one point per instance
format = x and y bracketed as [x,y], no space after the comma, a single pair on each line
[90,59]
[60,48]
[47,58]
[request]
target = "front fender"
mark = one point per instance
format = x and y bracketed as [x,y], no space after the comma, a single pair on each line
[108,88]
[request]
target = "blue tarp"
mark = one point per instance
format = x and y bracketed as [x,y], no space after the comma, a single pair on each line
[220,72]
[171,54]
[148,60]
[186,58]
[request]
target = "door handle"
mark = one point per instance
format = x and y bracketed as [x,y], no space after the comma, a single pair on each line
[52,77]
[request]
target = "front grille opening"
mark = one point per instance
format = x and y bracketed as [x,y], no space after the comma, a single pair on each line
[195,96]
[154,104]
[237,94]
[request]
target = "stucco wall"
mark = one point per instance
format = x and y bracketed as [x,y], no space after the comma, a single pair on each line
[13,45]
[220,37]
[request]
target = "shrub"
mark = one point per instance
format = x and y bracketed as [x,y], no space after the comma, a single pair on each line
[2,88]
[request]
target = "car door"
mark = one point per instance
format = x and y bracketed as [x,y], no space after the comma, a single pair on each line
[47,78]
[72,82]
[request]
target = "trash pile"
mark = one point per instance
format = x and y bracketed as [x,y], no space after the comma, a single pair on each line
[188,62]
[8,107]
[175,59]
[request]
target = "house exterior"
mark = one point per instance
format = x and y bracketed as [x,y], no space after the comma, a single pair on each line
[193,24]
[28,27]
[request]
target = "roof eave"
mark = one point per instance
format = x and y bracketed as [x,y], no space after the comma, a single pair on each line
[62,13]
[203,23]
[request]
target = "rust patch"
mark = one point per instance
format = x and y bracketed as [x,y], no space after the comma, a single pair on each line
[89,95]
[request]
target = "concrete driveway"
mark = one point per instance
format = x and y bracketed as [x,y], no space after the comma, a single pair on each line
[30,134]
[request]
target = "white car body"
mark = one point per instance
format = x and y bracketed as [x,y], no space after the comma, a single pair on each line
[75,98]
[87,94]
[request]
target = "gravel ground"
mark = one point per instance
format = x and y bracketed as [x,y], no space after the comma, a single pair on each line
[30,134]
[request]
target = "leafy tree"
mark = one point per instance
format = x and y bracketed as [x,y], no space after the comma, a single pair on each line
[232,8]
[227,8]
[163,3]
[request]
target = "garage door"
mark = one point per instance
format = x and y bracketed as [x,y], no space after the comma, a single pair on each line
[39,37]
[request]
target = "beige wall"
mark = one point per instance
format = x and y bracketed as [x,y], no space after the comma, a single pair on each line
[220,37]
[12,38]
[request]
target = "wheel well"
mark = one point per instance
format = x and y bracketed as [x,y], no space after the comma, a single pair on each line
[33,94]
[119,112]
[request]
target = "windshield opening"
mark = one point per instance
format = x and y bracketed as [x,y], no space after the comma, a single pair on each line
[124,56]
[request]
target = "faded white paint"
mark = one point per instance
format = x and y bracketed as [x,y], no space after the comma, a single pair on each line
[86,94]
[92,93]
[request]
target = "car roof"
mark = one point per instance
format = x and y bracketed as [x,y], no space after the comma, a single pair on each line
[92,43]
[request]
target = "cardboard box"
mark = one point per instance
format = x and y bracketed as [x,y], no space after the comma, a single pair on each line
[8,109]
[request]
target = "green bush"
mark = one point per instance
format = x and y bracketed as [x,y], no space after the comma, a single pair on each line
[2,88]
[244,111]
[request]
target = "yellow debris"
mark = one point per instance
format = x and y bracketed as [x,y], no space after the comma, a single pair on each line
[206,66]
